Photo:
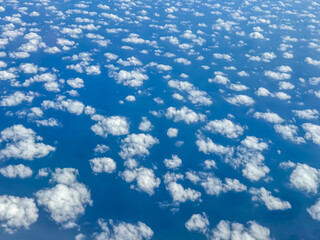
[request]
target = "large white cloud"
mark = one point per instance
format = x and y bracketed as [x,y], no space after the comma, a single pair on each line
[22,143]
[271,202]
[137,145]
[104,164]
[305,178]
[184,114]
[123,231]
[224,127]
[144,177]
[67,200]
[14,171]
[17,213]
[114,125]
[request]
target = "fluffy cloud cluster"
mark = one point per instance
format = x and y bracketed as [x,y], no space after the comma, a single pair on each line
[184,114]
[17,213]
[137,145]
[114,125]
[123,230]
[271,202]
[67,199]
[104,164]
[305,178]
[22,143]
[130,78]
[16,171]
[226,230]
[224,127]
[144,177]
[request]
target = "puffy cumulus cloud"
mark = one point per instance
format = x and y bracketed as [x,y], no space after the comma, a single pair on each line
[44,77]
[146,181]
[172,132]
[263,92]
[114,125]
[195,95]
[219,78]
[145,125]
[289,132]
[313,62]
[16,171]
[308,114]
[180,194]
[226,230]
[72,106]
[104,164]
[256,35]
[173,163]
[207,146]
[198,223]
[277,75]
[248,157]
[137,145]
[132,78]
[67,200]
[271,202]
[305,178]
[225,127]
[5,75]
[123,231]
[269,117]
[75,82]
[312,132]
[240,100]
[314,210]
[184,114]
[17,98]
[213,185]
[22,143]
[222,56]
[17,213]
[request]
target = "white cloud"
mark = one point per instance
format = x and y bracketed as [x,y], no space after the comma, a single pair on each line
[17,213]
[207,146]
[104,164]
[16,171]
[137,145]
[184,114]
[179,194]
[173,163]
[314,210]
[224,127]
[289,132]
[17,98]
[271,202]
[240,100]
[312,132]
[123,231]
[277,75]
[198,222]
[144,177]
[67,200]
[226,230]
[76,82]
[308,114]
[114,125]
[145,125]
[305,178]
[132,78]
[269,117]
[22,143]
[172,132]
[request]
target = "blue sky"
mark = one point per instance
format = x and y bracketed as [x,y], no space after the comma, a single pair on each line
[159,120]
